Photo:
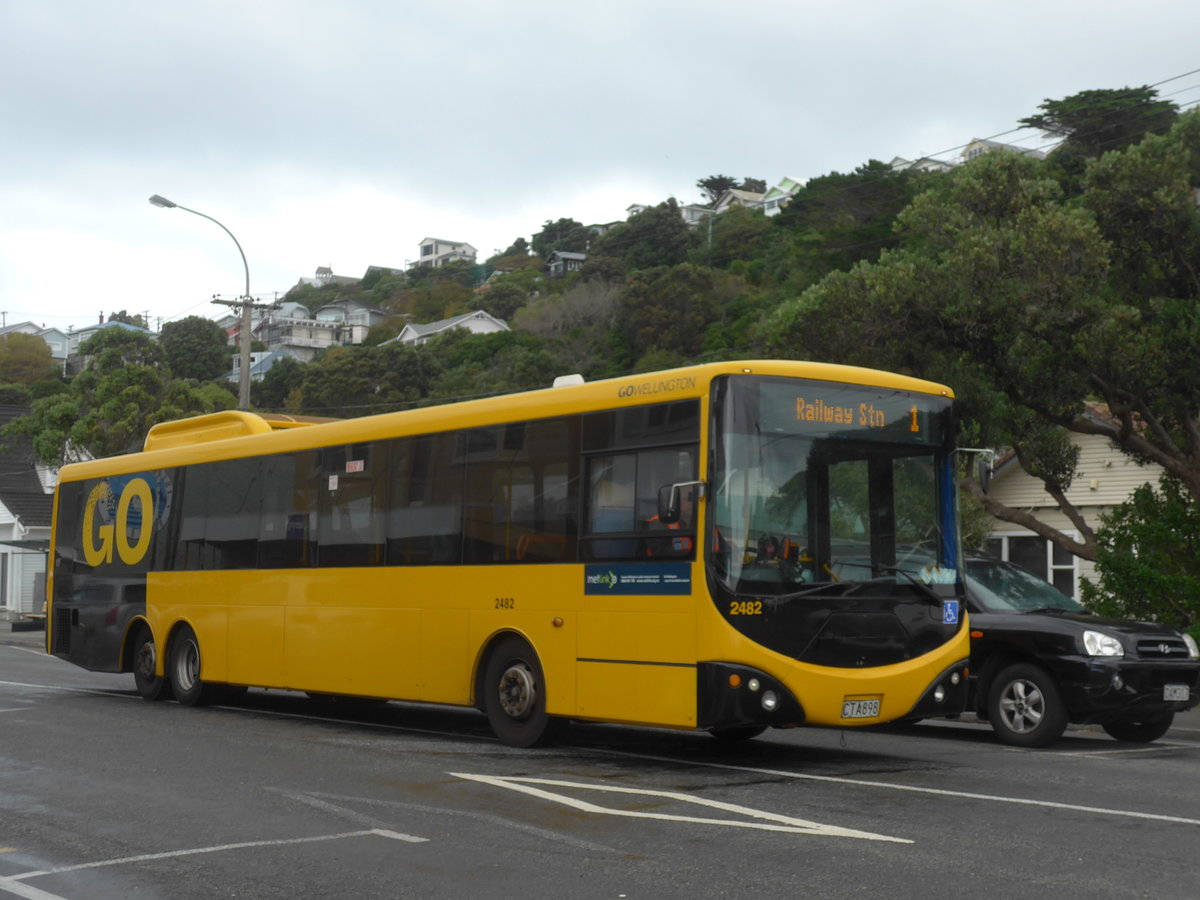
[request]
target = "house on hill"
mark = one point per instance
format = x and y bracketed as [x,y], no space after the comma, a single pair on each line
[478,322]
[436,252]
[25,508]
[561,263]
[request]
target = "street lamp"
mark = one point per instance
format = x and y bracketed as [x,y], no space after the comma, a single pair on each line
[247,302]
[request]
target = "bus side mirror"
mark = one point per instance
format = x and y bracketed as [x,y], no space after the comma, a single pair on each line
[668,504]
[985,474]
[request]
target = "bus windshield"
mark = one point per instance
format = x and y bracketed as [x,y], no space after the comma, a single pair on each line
[827,483]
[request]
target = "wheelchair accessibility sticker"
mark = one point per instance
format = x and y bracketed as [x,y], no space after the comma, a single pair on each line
[949,612]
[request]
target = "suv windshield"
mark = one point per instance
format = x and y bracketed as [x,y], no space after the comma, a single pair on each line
[1003,587]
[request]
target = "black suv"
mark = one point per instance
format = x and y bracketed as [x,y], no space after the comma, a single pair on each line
[1040,660]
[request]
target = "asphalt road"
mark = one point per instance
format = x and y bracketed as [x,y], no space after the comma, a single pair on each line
[105,795]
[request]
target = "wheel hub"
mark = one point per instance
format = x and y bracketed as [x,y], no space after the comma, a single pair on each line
[518,691]
[146,659]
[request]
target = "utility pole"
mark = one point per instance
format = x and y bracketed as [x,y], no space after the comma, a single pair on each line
[247,304]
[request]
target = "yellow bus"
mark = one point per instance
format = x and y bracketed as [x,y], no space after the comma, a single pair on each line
[724,547]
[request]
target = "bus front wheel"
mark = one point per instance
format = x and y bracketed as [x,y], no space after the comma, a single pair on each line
[184,665]
[515,695]
[145,658]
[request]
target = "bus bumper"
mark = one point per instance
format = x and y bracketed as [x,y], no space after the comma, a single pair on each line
[729,695]
[945,696]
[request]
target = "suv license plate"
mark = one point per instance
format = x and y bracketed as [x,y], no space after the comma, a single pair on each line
[1170,692]
[860,709]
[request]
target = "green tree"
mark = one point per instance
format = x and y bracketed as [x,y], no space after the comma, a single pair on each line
[835,220]
[715,185]
[108,407]
[25,359]
[736,235]
[501,299]
[565,234]
[357,381]
[14,395]
[279,389]
[667,310]
[135,319]
[1029,304]
[1094,122]
[196,347]
[657,236]
[1149,558]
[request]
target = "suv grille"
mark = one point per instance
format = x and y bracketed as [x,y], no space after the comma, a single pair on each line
[1163,648]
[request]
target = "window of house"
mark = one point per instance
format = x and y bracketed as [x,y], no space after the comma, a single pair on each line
[1042,557]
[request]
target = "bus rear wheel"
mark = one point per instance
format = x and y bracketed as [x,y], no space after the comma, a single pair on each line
[514,695]
[184,665]
[145,658]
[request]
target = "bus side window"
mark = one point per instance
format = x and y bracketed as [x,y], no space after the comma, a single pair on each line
[352,495]
[286,540]
[424,519]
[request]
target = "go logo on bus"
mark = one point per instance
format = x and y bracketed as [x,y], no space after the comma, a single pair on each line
[118,521]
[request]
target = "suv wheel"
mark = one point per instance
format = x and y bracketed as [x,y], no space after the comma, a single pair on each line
[1025,707]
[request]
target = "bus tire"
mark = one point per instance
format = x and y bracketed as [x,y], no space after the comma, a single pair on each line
[1025,706]
[514,695]
[145,657]
[184,663]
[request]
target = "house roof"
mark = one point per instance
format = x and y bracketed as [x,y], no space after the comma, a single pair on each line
[21,490]
[430,328]
[566,254]
[111,324]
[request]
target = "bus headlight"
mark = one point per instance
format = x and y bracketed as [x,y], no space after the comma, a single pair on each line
[753,684]
[769,701]
[939,693]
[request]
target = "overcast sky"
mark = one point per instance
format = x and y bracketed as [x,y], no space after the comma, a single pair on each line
[342,133]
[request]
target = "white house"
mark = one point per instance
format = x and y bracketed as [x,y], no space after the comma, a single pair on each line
[1104,478]
[356,317]
[979,146]
[25,508]
[477,322]
[437,252]
[778,196]
[737,197]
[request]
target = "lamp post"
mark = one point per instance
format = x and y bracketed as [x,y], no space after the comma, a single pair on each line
[247,302]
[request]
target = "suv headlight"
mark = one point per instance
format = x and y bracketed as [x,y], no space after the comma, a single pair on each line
[1193,651]
[1097,643]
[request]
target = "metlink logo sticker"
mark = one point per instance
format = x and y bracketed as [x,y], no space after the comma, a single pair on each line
[638,578]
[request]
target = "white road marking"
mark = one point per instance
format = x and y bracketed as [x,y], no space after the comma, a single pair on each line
[771,821]
[937,792]
[13,883]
